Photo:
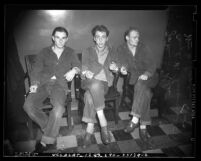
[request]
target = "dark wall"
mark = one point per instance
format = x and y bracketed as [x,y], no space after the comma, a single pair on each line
[36,27]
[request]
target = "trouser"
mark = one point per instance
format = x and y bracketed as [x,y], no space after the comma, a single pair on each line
[141,102]
[94,99]
[34,104]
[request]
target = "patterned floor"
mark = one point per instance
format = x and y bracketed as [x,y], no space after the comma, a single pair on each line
[170,136]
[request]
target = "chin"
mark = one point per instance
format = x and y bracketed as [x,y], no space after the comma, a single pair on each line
[60,46]
[101,46]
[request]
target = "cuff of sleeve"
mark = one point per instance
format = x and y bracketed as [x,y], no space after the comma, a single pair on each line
[35,83]
[77,70]
[148,74]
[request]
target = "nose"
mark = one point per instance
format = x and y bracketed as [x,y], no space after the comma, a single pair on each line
[60,40]
[100,39]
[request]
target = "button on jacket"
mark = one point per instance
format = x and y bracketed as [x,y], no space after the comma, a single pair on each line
[48,65]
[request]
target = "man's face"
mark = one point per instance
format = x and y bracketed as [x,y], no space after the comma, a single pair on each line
[133,38]
[60,38]
[100,38]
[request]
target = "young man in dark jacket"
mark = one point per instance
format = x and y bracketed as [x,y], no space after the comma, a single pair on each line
[55,65]
[137,59]
[97,77]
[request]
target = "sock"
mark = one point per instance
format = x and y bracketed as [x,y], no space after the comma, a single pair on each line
[143,126]
[43,143]
[135,120]
[90,128]
[102,119]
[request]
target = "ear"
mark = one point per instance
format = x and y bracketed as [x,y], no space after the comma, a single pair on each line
[94,39]
[127,38]
[53,38]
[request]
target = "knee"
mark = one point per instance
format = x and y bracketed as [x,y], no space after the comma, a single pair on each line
[28,106]
[96,86]
[58,111]
[140,85]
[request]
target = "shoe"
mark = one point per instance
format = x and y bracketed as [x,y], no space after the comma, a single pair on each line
[144,135]
[131,127]
[40,148]
[105,135]
[87,140]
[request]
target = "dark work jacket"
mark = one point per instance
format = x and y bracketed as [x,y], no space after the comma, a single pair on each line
[90,62]
[141,63]
[47,65]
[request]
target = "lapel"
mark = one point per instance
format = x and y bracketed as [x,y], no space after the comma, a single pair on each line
[107,60]
[65,51]
[136,52]
[94,54]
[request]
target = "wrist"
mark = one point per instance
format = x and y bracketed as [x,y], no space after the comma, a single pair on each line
[35,83]
[76,70]
[148,74]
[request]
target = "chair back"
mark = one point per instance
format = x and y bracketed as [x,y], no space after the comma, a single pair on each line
[29,63]
[126,79]
[115,80]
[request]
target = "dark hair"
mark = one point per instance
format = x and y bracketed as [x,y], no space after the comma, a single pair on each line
[129,30]
[60,29]
[100,28]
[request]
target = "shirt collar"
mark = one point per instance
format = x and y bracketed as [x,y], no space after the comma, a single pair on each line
[106,50]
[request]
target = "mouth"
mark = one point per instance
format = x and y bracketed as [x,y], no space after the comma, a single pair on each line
[60,44]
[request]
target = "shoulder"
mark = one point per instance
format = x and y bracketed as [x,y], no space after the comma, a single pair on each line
[44,51]
[88,50]
[69,50]
[143,46]
[122,47]
[111,48]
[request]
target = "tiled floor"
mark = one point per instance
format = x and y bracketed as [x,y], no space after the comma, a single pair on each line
[168,136]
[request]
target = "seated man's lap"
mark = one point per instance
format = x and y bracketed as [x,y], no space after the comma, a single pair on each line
[58,95]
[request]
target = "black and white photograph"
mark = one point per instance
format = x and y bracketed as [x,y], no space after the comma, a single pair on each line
[100,81]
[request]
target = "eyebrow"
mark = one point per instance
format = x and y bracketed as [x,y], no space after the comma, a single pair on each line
[100,35]
[62,37]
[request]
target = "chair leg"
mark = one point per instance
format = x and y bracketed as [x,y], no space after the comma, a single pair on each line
[116,110]
[80,107]
[69,115]
[122,99]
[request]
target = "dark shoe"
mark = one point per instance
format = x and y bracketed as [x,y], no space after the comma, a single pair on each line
[39,148]
[87,140]
[144,135]
[131,127]
[105,135]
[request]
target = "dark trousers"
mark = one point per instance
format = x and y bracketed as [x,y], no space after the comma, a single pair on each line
[34,104]
[142,99]
[93,98]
